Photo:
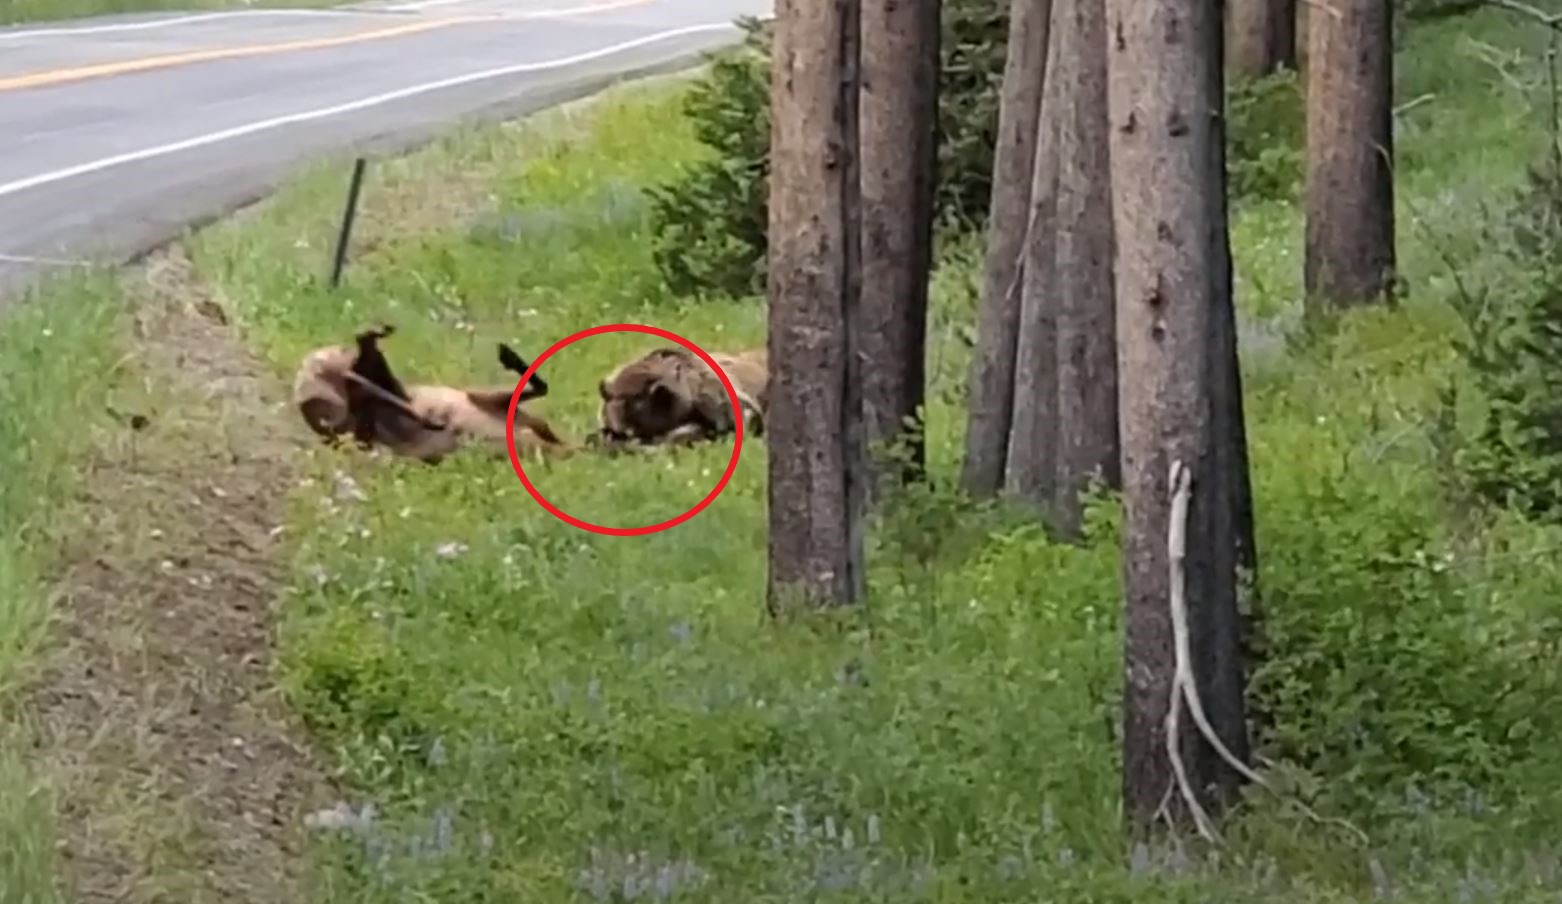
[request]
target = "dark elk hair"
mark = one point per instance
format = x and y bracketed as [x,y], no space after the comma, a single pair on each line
[511,361]
[382,409]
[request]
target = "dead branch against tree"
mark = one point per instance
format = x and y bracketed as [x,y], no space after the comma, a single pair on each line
[1550,20]
[1494,57]
[1411,104]
[1184,690]
[1176,551]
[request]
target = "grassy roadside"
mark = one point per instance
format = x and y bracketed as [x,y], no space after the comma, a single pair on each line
[141,479]
[14,12]
[544,715]
[57,350]
[535,713]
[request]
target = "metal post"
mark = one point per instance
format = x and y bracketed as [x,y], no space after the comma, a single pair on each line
[348,216]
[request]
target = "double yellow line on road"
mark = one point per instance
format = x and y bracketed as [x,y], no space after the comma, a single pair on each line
[144,64]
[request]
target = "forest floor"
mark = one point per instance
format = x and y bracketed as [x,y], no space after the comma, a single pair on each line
[532,712]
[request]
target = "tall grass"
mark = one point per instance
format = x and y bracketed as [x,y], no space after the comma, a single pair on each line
[57,351]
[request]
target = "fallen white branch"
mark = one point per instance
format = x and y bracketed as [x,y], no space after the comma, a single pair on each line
[1550,20]
[1409,105]
[1176,555]
[1182,489]
[1184,683]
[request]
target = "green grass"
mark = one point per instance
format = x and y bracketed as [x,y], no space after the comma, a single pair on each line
[57,352]
[18,11]
[531,710]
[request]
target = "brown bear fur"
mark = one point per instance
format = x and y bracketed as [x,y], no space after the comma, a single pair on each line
[669,396]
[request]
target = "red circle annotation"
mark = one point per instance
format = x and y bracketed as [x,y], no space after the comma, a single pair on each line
[555,511]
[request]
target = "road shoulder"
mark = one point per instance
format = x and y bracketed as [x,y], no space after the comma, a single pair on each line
[179,774]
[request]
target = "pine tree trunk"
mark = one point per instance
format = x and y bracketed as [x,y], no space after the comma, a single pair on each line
[1087,341]
[1176,364]
[1232,662]
[900,71]
[1261,37]
[1030,471]
[1350,184]
[816,458]
[1303,10]
[992,377]
[1231,423]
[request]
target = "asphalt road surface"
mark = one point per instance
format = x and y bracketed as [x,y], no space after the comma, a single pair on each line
[118,133]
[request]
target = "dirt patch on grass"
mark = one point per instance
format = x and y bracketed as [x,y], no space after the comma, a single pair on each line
[178,771]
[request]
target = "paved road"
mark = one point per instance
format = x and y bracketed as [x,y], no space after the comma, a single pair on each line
[117,133]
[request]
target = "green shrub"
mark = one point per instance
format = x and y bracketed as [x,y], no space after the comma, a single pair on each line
[975,46]
[1401,650]
[1388,666]
[348,677]
[710,218]
[1266,134]
[710,221]
[1515,350]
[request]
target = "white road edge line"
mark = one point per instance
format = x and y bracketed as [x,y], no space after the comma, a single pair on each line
[167,21]
[343,12]
[41,261]
[19,185]
[419,5]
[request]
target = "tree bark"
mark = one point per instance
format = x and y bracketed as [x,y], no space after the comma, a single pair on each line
[816,462]
[900,71]
[1173,292]
[1303,10]
[1030,471]
[1087,340]
[1261,37]
[1231,428]
[1350,184]
[1229,420]
[992,378]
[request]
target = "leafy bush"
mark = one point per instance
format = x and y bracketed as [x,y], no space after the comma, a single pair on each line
[1387,667]
[710,222]
[1515,349]
[710,218]
[975,46]
[1267,129]
[1404,654]
[349,678]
